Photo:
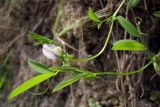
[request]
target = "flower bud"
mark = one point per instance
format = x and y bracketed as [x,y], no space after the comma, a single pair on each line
[58,51]
[51,51]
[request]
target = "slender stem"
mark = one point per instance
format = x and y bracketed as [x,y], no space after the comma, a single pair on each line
[102,50]
[125,73]
[119,7]
[107,40]
[131,72]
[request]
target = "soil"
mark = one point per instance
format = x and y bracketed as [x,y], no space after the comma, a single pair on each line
[17,17]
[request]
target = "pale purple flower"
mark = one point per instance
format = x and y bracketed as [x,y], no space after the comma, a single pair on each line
[51,51]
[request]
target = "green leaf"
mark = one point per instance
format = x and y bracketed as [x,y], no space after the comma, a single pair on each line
[133,3]
[30,83]
[131,45]
[157,14]
[93,16]
[40,39]
[68,81]
[38,66]
[67,68]
[131,29]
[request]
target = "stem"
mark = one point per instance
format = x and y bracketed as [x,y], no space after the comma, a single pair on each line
[102,50]
[131,72]
[119,7]
[125,73]
[107,40]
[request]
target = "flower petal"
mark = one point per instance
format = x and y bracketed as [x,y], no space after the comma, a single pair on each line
[49,47]
[49,54]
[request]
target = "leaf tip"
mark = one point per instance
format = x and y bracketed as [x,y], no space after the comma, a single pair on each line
[54,90]
[10,96]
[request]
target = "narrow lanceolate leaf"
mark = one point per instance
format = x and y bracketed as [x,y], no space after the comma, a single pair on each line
[40,39]
[38,66]
[157,14]
[93,16]
[133,3]
[66,68]
[30,83]
[130,28]
[68,81]
[131,45]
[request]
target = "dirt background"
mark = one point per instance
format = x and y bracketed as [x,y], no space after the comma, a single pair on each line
[17,17]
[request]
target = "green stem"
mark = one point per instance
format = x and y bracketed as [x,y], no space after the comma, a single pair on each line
[107,40]
[125,73]
[131,72]
[102,50]
[119,7]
